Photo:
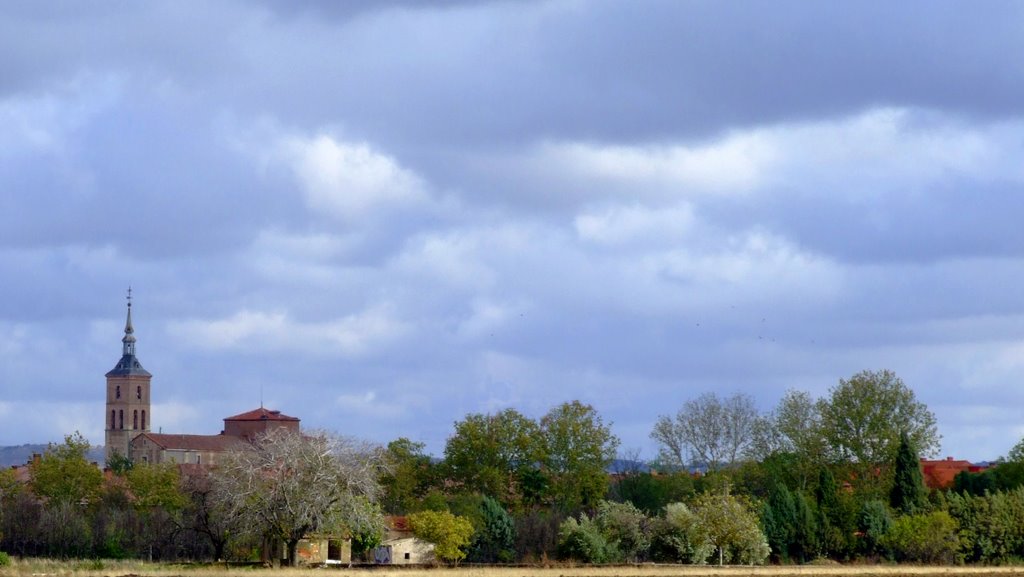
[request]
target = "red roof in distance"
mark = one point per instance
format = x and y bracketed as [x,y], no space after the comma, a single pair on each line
[261,414]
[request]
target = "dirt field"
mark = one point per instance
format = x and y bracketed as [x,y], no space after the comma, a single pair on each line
[44,568]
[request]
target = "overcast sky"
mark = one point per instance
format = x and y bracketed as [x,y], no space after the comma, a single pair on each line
[381,216]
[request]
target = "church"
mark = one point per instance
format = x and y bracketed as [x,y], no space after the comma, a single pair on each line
[129,416]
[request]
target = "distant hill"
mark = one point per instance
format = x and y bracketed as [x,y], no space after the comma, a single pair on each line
[21,454]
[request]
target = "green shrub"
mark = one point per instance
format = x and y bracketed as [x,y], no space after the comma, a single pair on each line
[582,541]
[450,534]
[929,538]
[626,527]
[5,559]
[678,538]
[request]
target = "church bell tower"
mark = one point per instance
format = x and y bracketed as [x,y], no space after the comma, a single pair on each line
[128,412]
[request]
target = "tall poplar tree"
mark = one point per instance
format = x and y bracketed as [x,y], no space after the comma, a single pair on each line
[908,490]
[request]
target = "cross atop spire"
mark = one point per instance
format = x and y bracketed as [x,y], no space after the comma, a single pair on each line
[129,331]
[129,364]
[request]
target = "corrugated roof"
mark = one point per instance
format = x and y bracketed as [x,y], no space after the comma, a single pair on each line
[215,443]
[261,414]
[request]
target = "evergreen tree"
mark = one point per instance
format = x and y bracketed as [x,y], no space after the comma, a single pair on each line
[873,522]
[804,543]
[908,490]
[836,523]
[777,520]
[495,537]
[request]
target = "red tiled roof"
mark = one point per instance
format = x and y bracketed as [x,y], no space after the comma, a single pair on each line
[261,414]
[215,443]
[940,474]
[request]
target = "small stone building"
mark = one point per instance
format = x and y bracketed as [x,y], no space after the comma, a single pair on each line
[401,547]
[324,550]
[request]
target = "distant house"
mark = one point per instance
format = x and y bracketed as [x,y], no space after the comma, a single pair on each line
[401,547]
[940,474]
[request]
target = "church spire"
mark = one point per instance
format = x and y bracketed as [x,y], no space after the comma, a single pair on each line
[129,331]
[129,363]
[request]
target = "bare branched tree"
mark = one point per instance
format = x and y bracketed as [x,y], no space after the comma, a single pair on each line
[288,485]
[713,431]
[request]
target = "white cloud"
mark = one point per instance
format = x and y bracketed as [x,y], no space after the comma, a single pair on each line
[355,335]
[730,165]
[350,180]
[619,224]
[463,258]
[862,157]
[368,404]
[487,316]
[752,266]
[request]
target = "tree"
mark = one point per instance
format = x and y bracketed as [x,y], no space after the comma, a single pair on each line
[156,486]
[793,428]
[449,533]
[495,536]
[487,453]
[713,431]
[908,491]
[578,448]
[119,464]
[862,421]
[836,516]
[10,488]
[679,537]
[145,511]
[731,529]
[990,526]
[288,484]
[1016,454]
[206,515]
[651,493]
[778,519]
[63,475]
[873,522]
[805,544]
[408,479]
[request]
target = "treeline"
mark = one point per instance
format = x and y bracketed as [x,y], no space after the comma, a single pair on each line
[836,477]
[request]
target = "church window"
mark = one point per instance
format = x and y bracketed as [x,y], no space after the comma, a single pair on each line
[135,420]
[117,392]
[143,418]
[113,419]
[120,418]
[138,392]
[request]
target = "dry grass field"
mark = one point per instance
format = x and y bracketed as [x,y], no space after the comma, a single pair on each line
[49,568]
